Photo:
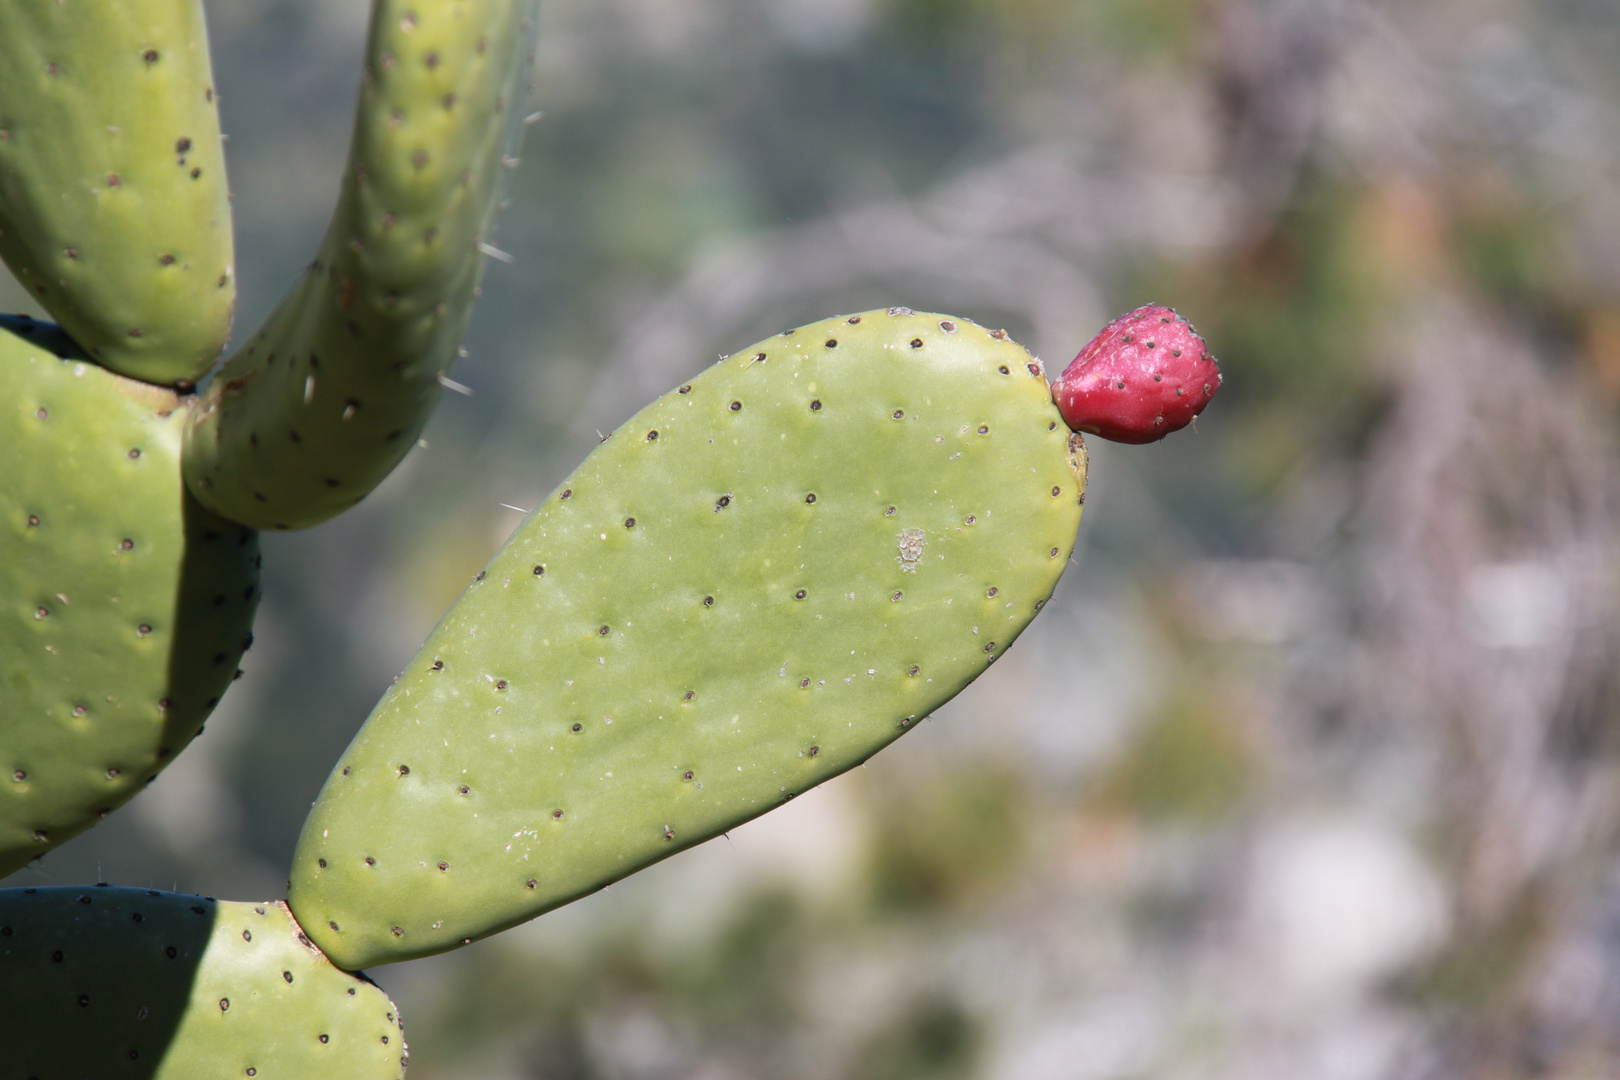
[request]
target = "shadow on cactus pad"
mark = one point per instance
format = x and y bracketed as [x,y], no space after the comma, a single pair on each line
[136,984]
[126,605]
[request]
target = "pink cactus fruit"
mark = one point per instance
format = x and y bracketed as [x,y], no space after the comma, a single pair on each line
[1147,374]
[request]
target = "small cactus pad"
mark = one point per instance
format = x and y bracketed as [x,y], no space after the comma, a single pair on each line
[124,606]
[328,396]
[1147,374]
[113,202]
[136,984]
[759,581]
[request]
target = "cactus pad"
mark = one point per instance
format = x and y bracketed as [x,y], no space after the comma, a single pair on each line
[759,581]
[113,202]
[124,606]
[135,984]
[328,396]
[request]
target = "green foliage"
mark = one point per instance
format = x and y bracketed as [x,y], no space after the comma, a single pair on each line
[1186,764]
[136,984]
[755,584]
[113,201]
[947,840]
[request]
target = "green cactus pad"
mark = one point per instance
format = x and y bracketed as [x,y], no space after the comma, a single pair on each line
[135,984]
[124,606]
[113,202]
[759,581]
[329,395]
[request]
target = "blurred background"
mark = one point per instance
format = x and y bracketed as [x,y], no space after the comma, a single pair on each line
[1310,768]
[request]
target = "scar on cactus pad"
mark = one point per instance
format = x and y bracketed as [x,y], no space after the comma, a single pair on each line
[1146,375]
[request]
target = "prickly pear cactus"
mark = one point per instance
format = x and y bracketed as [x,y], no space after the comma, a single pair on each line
[759,581]
[113,202]
[122,984]
[328,396]
[126,604]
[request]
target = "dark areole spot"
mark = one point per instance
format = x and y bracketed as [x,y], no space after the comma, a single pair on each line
[708,601]
[577,727]
[1053,553]
[1056,491]
[899,413]
[810,498]
[916,343]
[687,389]
[150,56]
[438,665]
[370,861]
[1003,370]
[604,631]
[992,591]
[799,595]
[630,523]
[652,436]
[853,319]
[404,770]
[722,501]
[972,520]
[914,671]
[464,789]
[813,751]
[984,429]
[687,775]
[443,865]
[832,343]
[556,814]
[539,570]
[134,453]
[815,406]
[735,405]
[171,952]
[567,492]
[19,775]
[126,544]
[500,684]
[947,326]
[321,863]
[690,694]
[530,883]
[896,597]
[889,512]
[33,521]
[803,683]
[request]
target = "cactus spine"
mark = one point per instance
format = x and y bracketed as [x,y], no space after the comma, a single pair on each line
[328,396]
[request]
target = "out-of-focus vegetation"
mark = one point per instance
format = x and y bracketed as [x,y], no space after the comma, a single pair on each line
[1309,768]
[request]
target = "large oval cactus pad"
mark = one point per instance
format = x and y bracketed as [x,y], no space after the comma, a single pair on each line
[124,606]
[327,397]
[136,984]
[114,210]
[759,581]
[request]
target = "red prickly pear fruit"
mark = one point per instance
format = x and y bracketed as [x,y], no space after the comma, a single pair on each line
[1147,374]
